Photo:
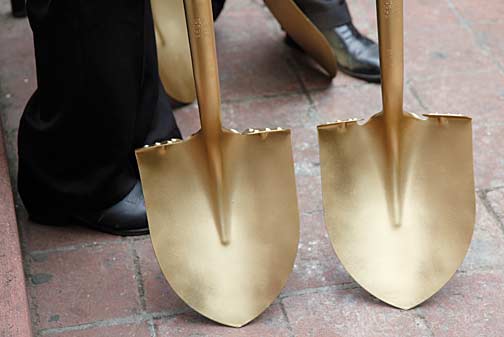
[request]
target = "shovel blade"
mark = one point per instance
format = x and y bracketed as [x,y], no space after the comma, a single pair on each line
[229,283]
[174,56]
[404,263]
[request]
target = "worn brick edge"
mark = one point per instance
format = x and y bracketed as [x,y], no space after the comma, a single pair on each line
[14,310]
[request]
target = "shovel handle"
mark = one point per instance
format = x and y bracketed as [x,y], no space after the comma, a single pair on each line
[390,35]
[200,27]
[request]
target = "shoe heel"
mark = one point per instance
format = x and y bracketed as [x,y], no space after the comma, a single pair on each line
[53,219]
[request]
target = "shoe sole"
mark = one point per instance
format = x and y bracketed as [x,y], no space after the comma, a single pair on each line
[304,32]
[63,220]
[367,78]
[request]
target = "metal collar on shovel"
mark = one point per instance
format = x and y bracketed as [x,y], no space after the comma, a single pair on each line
[221,205]
[398,189]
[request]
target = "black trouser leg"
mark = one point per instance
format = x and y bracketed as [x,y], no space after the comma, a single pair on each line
[98,98]
[327,13]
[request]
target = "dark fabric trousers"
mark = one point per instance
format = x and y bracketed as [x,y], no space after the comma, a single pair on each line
[327,14]
[98,98]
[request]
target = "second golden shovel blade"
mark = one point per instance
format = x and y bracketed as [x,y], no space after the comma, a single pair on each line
[401,264]
[174,56]
[230,283]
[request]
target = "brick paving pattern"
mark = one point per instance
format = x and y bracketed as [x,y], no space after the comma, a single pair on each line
[84,284]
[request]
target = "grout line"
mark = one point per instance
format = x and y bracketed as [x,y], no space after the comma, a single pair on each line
[286,318]
[94,244]
[151,317]
[307,291]
[69,248]
[138,276]
[134,319]
[246,99]
[312,109]
[490,189]
[484,199]
[152,328]
[295,68]
[423,320]
[414,92]
[96,324]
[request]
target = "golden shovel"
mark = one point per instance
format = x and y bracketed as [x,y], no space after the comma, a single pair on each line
[398,189]
[174,57]
[304,32]
[221,205]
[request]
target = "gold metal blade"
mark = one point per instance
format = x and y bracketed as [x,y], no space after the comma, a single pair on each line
[403,263]
[230,283]
[221,205]
[174,57]
[304,32]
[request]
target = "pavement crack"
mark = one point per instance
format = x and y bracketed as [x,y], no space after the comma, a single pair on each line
[138,276]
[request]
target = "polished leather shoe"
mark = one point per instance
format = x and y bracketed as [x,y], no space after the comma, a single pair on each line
[356,55]
[127,217]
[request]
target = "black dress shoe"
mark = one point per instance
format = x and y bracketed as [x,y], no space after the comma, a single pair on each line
[356,55]
[127,217]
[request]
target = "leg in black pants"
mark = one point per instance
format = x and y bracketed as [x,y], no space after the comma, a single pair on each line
[98,98]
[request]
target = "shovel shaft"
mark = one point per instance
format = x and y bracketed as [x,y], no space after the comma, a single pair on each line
[206,77]
[203,52]
[390,33]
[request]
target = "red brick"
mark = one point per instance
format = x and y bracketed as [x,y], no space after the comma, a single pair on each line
[251,62]
[132,330]
[486,250]
[349,313]
[188,119]
[486,11]
[417,14]
[488,153]
[43,237]
[82,286]
[490,35]
[356,102]
[476,94]
[159,297]
[306,151]
[309,193]
[316,264]
[286,112]
[496,199]
[420,13]
[14,311]
[470,305]
[453,50]
[270,323]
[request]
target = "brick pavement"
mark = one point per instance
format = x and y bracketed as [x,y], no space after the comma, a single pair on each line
[83,283]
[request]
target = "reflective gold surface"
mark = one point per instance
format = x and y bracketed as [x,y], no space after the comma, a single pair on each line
[304,32]
[398,189]
[221,205]
[174,57]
